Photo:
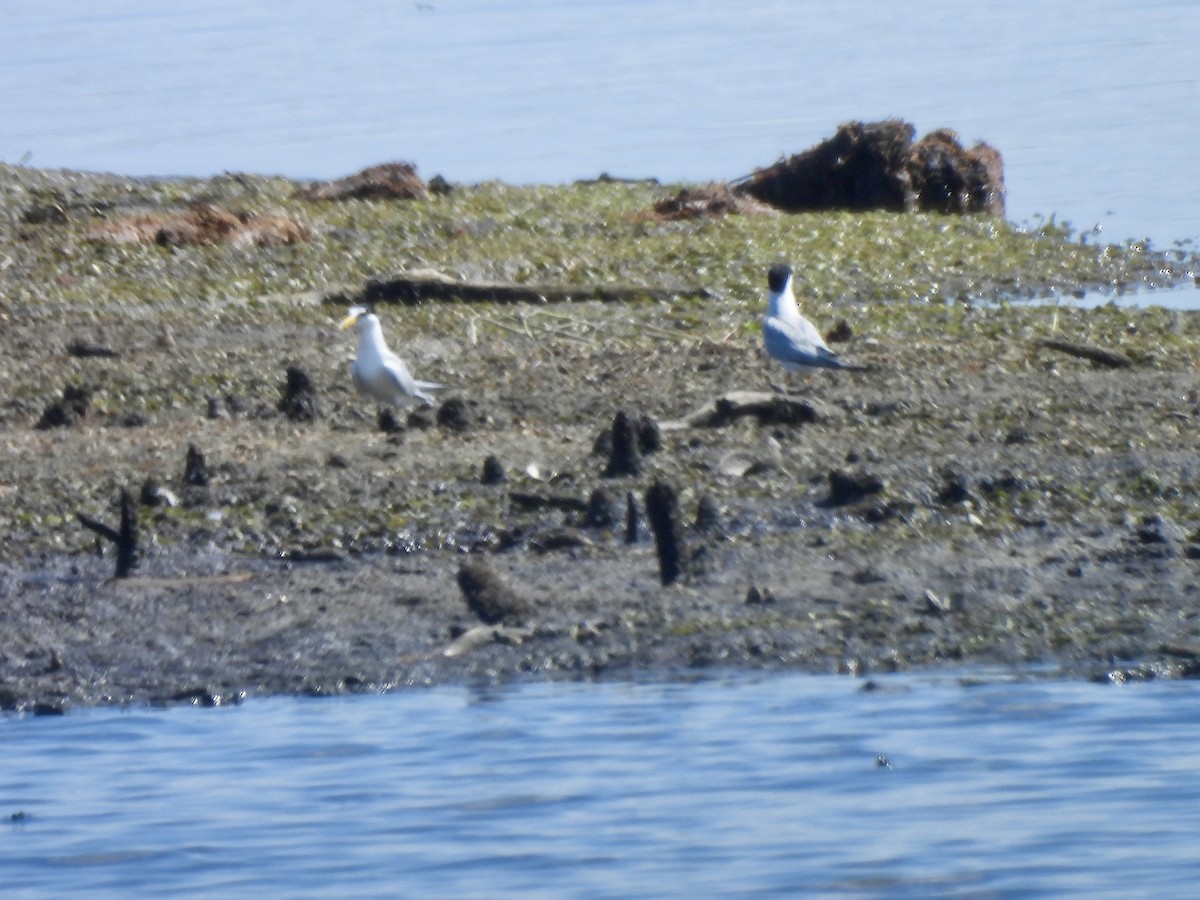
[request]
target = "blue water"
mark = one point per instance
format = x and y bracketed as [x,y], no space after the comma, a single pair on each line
[1093,105]
[997,787]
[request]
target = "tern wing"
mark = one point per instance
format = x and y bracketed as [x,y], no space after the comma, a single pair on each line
[797,345]
[397,375]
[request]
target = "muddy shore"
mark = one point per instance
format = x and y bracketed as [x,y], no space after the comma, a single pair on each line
[1020,504]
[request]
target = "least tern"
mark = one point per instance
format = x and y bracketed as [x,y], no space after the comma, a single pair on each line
[788,336]
[377,371]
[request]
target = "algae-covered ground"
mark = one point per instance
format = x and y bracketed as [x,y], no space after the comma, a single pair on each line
[1032,506]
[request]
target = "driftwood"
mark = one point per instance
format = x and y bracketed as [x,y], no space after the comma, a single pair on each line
[125,537]
[766,407]
[481,635]
[420,285]
[1110,359]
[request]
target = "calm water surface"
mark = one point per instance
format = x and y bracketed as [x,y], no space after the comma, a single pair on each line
[770,786]
[1093,105]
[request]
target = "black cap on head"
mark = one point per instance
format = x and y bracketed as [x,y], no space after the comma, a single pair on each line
[777,278]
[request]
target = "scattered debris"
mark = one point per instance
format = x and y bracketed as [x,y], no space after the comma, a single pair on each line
[387,181]
[744,463]
[203,223]
[710,201]
[768,408]
[422,285]
[481,635]
[70,410]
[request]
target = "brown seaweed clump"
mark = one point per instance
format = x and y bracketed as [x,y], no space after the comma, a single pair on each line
[710,201]
[949,178]
[202,223]
[388,181]
[877,166]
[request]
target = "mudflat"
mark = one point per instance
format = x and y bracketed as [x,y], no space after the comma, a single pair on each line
[1007,484]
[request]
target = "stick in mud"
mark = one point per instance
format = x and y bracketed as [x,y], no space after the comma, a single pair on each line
[125,538]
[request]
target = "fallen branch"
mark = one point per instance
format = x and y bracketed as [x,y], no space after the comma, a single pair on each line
[766,407]
[1110,359]
[420,285]
[125,538]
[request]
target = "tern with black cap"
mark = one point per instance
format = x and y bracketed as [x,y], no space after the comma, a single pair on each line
[789,337]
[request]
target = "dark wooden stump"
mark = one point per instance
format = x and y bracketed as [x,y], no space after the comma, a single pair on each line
[662,509]
[625,457]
